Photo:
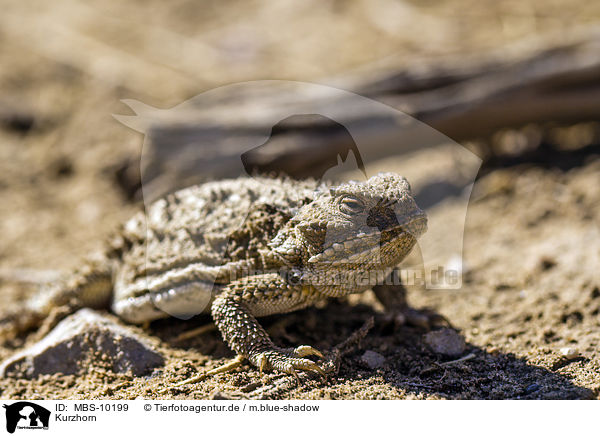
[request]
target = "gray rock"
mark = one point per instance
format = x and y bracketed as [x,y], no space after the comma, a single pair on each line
[372,359]
[446,342]
[76,341]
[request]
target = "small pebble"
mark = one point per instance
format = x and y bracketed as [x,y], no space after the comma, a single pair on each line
[372,359]
[493,351]
[532,388]
[446,342]
[400,319]
[218,395]
[569,353]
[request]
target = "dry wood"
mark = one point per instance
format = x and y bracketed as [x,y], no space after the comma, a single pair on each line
[462,99]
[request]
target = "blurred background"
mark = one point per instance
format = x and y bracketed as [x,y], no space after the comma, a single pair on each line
[516,82]
[66,64]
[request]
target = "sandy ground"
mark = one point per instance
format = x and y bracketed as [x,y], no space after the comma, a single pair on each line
[532,242]
[531,289]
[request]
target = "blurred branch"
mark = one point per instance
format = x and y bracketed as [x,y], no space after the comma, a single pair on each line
[557,84]
[464,98]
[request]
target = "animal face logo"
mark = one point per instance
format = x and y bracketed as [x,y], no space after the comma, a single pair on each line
[26,415]
[228,132]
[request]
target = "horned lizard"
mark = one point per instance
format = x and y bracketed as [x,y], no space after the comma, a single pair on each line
[242,249]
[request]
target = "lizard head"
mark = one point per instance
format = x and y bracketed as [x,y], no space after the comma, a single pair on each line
[355,225]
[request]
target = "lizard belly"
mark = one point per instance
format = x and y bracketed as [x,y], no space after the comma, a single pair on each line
[183,302]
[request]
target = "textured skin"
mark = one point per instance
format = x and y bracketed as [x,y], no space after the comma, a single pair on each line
[242,249]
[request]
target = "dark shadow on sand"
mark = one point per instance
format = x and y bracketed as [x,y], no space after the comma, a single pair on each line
[410,366]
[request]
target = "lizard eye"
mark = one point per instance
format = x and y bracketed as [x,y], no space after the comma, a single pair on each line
[351,205]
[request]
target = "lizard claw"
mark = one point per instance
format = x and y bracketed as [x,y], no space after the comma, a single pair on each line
[263,363]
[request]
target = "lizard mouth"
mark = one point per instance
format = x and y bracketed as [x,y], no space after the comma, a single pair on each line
[363,246]
[415,226]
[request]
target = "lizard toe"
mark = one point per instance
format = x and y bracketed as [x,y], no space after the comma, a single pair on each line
[293,364]
[306,350]
[288,361]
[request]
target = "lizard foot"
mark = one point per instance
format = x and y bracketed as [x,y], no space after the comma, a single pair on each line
[424,318]
[288,360]
[14,324]
[397,310]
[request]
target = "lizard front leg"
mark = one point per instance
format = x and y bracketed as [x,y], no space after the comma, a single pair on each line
[392,295]
[234,312]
